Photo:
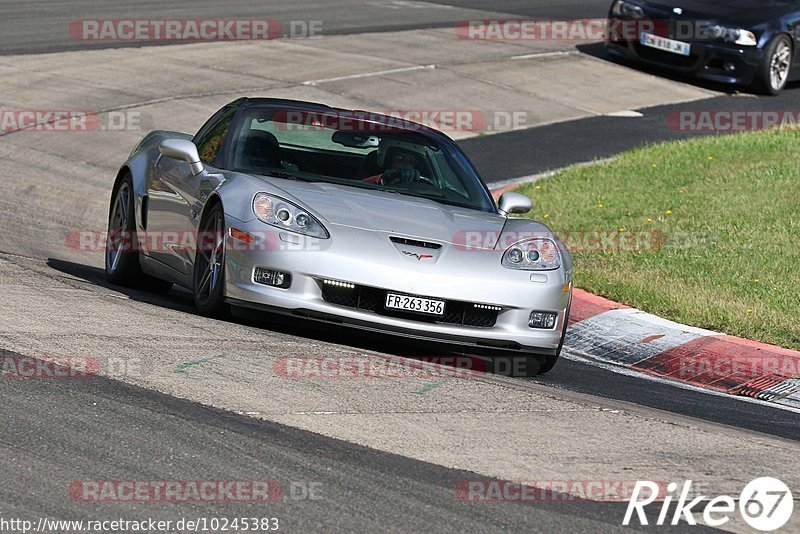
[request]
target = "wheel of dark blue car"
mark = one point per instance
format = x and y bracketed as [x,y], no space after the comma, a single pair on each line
[776,66]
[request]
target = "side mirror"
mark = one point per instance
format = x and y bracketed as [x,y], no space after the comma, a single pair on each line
[514,203]
[183,150]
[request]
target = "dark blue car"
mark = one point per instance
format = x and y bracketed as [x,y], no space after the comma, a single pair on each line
[745,42]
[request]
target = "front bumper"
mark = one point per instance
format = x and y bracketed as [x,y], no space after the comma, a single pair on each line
[516,293]
[711,61]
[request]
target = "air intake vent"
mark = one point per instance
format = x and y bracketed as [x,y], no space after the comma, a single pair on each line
[415,243]
[373,299]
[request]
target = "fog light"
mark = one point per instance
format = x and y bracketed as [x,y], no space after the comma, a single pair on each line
[272,278]
[546,320]
[730,67]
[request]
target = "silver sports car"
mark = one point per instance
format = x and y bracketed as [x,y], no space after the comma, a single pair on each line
[347,217]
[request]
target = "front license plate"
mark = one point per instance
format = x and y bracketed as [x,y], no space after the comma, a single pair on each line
[414,304]
[667,45]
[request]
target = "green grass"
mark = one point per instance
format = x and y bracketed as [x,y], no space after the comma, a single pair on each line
[728,208]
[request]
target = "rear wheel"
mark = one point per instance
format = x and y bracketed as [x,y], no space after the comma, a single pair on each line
[209,265]
[122,255]
[773,73]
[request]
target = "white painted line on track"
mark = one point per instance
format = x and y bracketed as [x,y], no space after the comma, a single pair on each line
[408,4]
[370,74]
[625,114]
[560,53]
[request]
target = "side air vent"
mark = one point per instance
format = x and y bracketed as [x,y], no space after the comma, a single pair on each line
[415,243]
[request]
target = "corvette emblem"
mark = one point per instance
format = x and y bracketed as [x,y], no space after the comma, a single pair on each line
[419,257]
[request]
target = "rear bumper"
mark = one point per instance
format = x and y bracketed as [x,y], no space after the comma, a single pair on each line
[708,61]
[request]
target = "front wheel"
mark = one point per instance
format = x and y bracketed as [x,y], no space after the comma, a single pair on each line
[550,361]
[209,265]
[775,67]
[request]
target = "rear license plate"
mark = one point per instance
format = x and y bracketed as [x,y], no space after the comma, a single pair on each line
[667,45]
[414,304]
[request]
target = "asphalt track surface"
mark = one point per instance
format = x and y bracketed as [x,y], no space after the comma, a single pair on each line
[554,146]
[323,481]
[570,375]
[41,26]
[102,428]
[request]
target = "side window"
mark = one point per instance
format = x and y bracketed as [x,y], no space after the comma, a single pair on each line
[212,136]
[449,178]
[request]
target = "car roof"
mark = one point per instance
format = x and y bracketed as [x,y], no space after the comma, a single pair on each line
[370,116]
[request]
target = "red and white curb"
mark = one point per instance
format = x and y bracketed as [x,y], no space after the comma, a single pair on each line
[605,331]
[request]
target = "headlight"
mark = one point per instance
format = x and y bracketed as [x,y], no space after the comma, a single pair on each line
[746,38]
[623,8]
[537,254]
[286,215]
[733,35]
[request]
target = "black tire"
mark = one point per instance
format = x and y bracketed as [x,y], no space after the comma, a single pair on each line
[768,81]
[208,286]
[549,362]
[122,255]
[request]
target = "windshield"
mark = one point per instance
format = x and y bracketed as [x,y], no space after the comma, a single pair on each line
[348,150]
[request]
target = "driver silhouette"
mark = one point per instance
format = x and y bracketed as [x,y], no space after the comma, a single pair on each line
[401,166]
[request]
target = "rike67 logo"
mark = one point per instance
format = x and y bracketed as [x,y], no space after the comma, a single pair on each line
[765,504]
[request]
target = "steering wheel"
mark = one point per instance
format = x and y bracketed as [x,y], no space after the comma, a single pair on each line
[425,180]
[405,176]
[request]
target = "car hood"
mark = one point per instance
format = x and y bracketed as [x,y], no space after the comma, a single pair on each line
[744,13]
[396,214]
